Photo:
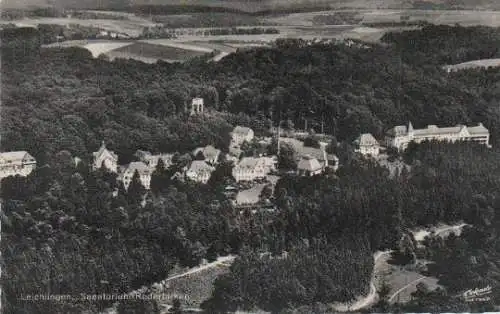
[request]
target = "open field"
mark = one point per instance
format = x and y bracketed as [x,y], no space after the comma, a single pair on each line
[257,5]
[148,52]
[208,19]
[463,17]
[191,42]
[103,48]
[131,27]
[483,63]
[213,45]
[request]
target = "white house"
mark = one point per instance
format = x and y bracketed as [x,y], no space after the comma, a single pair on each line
[366,144]
[127,173]
[152,160]
[197,106]
[199,171]
[16,163]
[210,153]
[251,168]
[309,166]
[241,134]
[400,136]
[106,158]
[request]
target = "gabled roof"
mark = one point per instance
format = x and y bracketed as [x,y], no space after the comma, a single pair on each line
[103,150]
[433,130]
[142,154]
[141,167]
[309,163]
[197,100]
[242,130]
[209,152]
[479,129]
[397,130]
[200,166]
[249,162]
[366,139]
[15,156]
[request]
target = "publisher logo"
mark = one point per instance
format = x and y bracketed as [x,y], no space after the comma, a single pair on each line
[478,294]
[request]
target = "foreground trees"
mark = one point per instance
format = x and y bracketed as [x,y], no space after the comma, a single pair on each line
[67,231]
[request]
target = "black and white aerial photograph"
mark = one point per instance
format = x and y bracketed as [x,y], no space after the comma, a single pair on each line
[249,156]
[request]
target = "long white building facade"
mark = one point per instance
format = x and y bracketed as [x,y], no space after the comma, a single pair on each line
[400,136]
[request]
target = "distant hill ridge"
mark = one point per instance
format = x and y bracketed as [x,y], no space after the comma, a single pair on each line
[255,6]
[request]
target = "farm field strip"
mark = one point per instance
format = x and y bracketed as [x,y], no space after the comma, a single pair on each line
[148,52]
[129,27]
[98,48]
[464,17]
[212,45]
[483,63]
[177,44]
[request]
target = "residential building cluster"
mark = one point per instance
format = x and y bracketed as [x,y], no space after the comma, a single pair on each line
[311,160]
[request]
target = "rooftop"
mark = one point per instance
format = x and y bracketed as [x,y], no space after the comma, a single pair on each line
[200,166]
[309,163]
[430,130]
[141,167]
[103,149]
[366,139]
[208,151]
[242,130]
[302,150]
[17,155]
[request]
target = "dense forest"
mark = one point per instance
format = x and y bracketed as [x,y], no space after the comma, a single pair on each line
[447,183]
[68,230]
[132,104]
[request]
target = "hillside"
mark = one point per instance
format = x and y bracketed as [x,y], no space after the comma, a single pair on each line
[263,5]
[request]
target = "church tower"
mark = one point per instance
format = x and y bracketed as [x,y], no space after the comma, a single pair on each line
[410,130]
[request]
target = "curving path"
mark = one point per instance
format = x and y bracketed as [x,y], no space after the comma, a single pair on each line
[220,261]
[372,296]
